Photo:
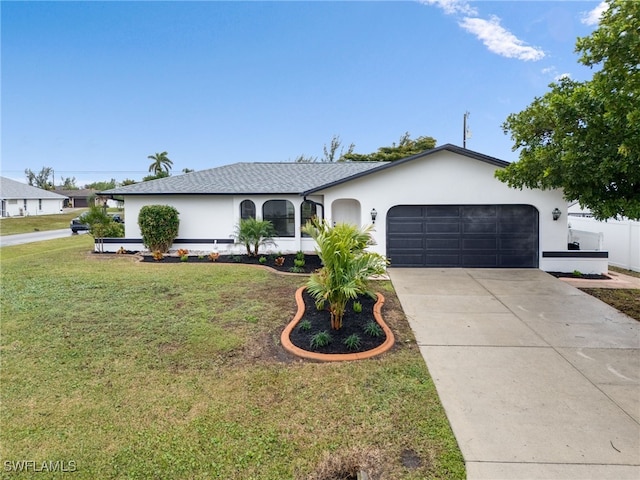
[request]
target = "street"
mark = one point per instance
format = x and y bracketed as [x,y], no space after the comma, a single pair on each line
[21,238]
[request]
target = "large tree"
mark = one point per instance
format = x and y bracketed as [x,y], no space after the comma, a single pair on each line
[405,147]
[40,179]
[161,163]
[584,137]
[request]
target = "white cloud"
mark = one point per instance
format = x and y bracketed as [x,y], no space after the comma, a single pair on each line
[553,72]
[557,78]
[593,17]
[499,40]
[451,7]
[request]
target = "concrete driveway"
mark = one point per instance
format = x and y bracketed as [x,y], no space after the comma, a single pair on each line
[538,380]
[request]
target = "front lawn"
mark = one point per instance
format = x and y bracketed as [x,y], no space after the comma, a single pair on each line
[35,223]
[142,370]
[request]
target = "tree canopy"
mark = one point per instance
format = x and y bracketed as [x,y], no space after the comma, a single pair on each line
[584,137]
[405,147]
[102,185]
[40,179]
[161,163]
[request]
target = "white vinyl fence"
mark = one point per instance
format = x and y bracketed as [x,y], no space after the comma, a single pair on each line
[621,238]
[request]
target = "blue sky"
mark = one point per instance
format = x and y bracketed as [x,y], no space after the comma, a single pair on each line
[92,88]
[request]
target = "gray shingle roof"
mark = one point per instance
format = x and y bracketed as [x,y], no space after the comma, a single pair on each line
[250,178]
[10,189]
[277,178]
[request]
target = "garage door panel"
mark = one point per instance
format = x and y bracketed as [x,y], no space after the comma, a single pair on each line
[480,244]
[441,211]
[479,211]
[408,243]
[408,227]
[443,260]
[435,228]
[480,261]
[404,211]
[480,227]
[443,243]
[516,261]
[463,235]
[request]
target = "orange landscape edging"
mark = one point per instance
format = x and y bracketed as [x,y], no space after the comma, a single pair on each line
[335,357]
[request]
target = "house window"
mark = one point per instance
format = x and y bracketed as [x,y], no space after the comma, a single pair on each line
[247,209]
[308,210]
[282,215]
[39,204]
[24,202]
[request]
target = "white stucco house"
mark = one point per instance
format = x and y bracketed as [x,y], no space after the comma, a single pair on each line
[19,199]
[441,208]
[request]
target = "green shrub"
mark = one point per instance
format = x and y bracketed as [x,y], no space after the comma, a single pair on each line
[253,234]
[101,225]
[159,226]
[352,342]
[262,260]
[305,325]
[357,307]
[321,339]
[373,329]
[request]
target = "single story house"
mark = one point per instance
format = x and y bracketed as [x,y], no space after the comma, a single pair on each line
[85,197]
[19,199]
[440,208]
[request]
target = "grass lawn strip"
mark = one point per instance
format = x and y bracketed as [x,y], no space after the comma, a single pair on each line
[133,369]
[625,300]
[35,223]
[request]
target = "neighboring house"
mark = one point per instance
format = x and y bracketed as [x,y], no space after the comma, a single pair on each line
[81,198]
[440,208]
[20,199]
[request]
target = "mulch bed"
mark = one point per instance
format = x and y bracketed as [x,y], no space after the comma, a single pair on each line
[585,276]
[312,262]
[353,323]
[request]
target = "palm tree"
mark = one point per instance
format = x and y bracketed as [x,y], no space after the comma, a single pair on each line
[160,164]
[346,266]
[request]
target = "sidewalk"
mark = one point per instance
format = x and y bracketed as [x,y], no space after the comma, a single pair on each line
[618,280]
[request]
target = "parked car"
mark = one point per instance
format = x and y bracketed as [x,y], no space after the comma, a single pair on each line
[78,224]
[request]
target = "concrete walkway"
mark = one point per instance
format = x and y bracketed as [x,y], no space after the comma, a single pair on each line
[538,379]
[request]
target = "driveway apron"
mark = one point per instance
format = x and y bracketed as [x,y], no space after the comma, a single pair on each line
[538,379]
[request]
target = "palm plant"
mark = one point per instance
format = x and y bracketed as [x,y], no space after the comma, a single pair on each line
[254,234]
[346,266]
[161,163]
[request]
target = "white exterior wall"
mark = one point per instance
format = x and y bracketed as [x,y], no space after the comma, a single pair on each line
[212,216]
[448,178]
[16,207]
[621,238]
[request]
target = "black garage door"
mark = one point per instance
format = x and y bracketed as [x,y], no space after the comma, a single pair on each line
[500,236]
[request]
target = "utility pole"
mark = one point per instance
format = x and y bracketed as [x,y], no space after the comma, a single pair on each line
[464,130]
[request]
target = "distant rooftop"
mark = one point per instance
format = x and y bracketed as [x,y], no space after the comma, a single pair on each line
[10,190]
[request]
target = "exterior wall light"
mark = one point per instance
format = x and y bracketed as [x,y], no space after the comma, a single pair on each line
[374,215]
[556,214]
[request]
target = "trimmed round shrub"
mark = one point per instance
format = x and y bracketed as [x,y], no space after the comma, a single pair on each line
[159,226]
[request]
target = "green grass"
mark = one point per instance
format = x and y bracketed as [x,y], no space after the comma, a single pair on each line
[42,223]
[144,370]
[35,223]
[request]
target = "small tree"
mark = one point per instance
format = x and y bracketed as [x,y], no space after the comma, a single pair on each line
[253,234]
[159,226]
[101,225]
[346,265]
